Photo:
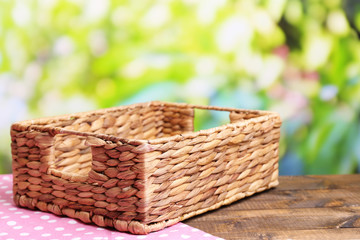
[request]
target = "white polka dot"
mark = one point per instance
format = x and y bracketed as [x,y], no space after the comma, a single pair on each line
[164,235]
[6,178]
[184,236]
[141,237]
[207,235]
[24,234]
[18,212]
[3,187]
[67,234]
[3,233]
[11,223]
[44,217]
[17,227]
[37,228]
[195,230]
[219,239]
[119,238]
[80,229]
[37,212]
[100,229]
[51,221]
[25,216]
[6,204]
[89,233]
[77,238]
[175,230]
[46,235]
[1,212]
[8,192]
[10,239]
[2,200]
[59,229]
[4,217]
[12,209]
[183,226]
[72,222]
[98,238]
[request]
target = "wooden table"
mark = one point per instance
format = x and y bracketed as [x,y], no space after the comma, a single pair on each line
[301,207]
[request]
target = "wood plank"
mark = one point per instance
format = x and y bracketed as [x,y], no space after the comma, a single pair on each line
[302,207]
[319,182]
[283,219]
[322,234]
[273,199]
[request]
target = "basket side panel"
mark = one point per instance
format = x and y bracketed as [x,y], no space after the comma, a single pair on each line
[208,171]
[114,195]
[130,123]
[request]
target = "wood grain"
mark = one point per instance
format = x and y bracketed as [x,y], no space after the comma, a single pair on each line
[301,207]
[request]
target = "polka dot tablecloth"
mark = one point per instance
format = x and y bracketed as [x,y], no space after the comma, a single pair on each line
[20,223]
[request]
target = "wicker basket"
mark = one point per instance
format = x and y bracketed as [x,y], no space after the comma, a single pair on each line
[141,168]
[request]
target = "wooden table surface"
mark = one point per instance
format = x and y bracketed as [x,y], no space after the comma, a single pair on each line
[301,207]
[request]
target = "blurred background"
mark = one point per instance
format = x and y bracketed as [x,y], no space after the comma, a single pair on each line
[300,58]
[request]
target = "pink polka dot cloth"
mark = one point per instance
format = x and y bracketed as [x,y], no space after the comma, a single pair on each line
[20,223]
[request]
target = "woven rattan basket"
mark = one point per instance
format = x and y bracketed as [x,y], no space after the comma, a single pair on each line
[140,168]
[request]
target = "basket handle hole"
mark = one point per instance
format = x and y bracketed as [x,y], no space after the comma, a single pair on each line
[71,155]
[206,119]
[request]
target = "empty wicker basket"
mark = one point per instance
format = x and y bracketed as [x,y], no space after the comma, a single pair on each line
[140,168]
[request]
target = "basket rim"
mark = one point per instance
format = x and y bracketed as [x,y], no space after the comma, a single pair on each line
[41,124]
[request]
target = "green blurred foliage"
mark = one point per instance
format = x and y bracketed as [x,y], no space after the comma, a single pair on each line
[299,58]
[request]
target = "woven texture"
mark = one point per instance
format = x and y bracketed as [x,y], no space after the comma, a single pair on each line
[140,168]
